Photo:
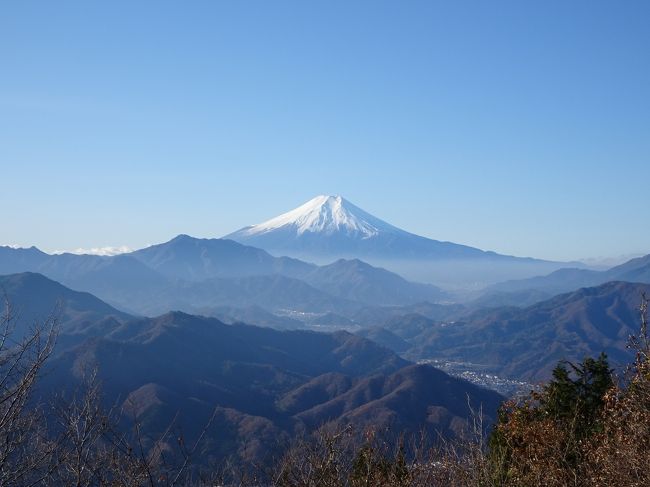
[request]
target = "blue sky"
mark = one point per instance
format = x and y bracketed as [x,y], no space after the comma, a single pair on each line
[520,127]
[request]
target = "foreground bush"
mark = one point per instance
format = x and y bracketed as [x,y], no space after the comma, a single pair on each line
[619,454]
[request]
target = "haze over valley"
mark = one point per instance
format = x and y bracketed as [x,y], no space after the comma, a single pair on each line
[237,282]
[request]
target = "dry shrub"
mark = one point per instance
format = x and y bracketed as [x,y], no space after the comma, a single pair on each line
[529,450]
[338,459]
[620,454]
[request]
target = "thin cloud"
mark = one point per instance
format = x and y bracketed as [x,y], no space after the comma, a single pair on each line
[104,251]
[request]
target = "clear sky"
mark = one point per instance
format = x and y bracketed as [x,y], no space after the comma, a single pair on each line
[521,127]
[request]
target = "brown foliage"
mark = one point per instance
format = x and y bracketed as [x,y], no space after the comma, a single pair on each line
[533,447]
[620,454]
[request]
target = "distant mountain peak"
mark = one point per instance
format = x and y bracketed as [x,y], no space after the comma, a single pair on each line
[324,215]
[329,227]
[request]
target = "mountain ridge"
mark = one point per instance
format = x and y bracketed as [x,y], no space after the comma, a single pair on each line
[265,384]
[526,343]
[570,279]
[194,274]
[330,227]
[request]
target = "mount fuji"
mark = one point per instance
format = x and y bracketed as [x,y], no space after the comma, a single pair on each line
[330,227]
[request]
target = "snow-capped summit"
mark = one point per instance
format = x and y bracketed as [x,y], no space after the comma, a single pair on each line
[325,215]
[329,227]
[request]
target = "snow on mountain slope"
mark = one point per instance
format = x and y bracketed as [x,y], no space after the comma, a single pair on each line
[325,215]
[330,227]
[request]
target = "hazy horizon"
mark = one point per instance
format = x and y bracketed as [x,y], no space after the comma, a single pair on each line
[512,127]
[594,261]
